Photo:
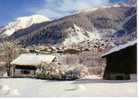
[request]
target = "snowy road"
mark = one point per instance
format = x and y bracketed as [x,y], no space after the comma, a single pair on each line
[81,88]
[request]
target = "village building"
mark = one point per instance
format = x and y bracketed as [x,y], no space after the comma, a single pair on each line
[26,64]
[121,62]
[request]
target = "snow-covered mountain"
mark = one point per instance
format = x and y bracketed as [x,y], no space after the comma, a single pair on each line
[21,23]
[98,23]
[85,25]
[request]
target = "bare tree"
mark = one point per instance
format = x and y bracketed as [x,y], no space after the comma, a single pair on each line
[10,50]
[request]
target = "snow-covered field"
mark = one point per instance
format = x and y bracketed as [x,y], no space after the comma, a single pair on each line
[80,88]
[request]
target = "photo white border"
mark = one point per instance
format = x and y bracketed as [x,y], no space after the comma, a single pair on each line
[88,98]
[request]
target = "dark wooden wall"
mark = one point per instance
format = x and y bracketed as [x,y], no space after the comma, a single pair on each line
[123,61]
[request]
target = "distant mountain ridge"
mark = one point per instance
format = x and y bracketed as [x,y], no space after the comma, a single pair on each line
[116,20]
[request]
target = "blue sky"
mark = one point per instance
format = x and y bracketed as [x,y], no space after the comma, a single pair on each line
[11,9]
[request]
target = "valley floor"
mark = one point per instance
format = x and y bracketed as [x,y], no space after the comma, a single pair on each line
[24,87]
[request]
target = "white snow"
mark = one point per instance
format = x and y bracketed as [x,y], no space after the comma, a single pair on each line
[4,89]
[77,35]
[33,59]
[22,23]
[88,9]
[101,7]
[13,92]
[79,88]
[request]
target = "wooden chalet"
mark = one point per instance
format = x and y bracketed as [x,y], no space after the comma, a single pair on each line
[121,62]
[26,64]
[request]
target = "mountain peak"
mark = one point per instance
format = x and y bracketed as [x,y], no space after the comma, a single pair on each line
[36,18]
[21,23]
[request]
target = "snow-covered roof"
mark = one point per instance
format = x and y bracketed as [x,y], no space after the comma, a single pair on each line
[120,47]
[33,59]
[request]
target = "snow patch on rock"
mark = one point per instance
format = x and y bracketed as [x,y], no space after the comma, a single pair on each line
[77,35]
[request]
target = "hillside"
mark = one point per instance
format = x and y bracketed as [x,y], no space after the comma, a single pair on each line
[105,22]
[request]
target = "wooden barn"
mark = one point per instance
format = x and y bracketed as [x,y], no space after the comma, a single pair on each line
[26,64]
[121,62]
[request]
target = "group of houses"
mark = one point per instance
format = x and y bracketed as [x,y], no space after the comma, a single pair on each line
[121,62]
